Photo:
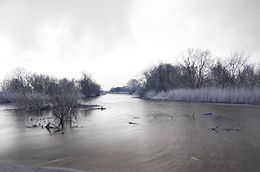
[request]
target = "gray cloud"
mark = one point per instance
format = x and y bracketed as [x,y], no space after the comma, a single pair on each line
[106,21]
[236,21]
[128,35]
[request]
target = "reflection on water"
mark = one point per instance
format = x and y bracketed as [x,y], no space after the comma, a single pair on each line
[139,135]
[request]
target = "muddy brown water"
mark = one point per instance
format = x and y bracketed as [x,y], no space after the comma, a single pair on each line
[138,135]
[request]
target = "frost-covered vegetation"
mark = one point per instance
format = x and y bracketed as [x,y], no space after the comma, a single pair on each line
[200,78]
[216,95]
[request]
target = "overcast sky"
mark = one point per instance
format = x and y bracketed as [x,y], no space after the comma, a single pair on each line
[115,40]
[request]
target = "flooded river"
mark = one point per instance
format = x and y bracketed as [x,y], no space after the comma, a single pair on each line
[139,135]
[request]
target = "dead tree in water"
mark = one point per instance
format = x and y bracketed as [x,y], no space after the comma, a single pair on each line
[63,99]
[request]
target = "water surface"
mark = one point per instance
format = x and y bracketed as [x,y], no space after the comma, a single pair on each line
[139,135]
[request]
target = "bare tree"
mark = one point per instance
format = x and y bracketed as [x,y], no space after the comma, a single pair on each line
[219,75]
[149,78]
[18,82]
[196,63]
[134,86]
[88,87]
[63,99]
[247,77]
[235,66]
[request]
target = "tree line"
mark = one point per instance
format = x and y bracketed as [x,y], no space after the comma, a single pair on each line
[22,86]
[198,70]
[133,86]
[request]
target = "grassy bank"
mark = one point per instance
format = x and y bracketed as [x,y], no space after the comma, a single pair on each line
[213,95]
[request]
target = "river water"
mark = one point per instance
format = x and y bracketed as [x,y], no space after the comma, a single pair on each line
[138,135]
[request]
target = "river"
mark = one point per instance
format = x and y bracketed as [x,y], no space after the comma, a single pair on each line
[138,135]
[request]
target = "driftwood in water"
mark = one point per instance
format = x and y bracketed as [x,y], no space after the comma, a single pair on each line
[132,122]
[50,126]
[209,113]
[214,129]
[90,107]
[228,129]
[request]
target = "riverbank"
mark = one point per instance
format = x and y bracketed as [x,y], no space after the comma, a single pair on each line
[209,95]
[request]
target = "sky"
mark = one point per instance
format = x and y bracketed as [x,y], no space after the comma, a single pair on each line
[116,40]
